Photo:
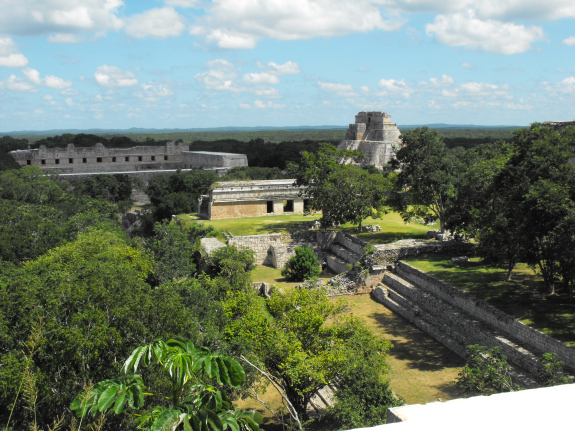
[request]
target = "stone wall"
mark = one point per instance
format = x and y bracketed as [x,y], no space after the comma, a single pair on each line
[457,319]
[403,249]
[99,158]
[206,160]
[483,311]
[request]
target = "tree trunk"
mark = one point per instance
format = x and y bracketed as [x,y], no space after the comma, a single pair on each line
[510,267]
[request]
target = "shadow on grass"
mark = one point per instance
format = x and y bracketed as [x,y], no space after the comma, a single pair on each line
[417,349]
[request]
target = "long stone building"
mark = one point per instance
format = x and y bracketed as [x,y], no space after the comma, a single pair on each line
[235,199]
[375,136]
[101,159]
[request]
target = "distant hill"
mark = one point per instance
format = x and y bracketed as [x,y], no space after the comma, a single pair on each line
[144,131]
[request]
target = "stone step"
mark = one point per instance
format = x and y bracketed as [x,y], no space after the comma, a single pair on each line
[336,264]
[456,324]
[345,253]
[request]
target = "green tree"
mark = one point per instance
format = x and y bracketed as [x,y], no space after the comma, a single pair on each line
[178,193]
[425,182]
[486,372]
[301,342]
[342,192]
[304,265]
[192,404]
[172,252]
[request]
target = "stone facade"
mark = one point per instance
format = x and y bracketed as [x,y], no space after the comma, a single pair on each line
[238,199]
[457,319]
[209,160]
[375,136]
[100,159]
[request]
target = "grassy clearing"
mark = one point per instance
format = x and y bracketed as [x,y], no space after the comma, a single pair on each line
[271,275]
[392,224]
[256,225]
[421,368]
[522,297]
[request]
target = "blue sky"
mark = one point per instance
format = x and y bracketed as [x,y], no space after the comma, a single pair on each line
[192,63]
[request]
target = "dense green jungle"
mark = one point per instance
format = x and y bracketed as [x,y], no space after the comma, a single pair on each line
[107,327]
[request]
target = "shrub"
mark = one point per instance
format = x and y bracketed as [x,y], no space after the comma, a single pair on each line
[303,266]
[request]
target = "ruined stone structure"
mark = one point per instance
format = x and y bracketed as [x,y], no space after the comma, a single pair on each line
[559,125]
[338,249]
[100,159]
[209,160]
[375,136]
[236,199]
[457,319]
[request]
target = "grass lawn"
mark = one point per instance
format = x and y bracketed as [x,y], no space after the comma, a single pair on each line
[392,224]
[421,368]
[271,275]
[522,297]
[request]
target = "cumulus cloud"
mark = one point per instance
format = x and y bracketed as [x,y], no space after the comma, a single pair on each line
[222,76]
[17,84]
[239,24]
[288,68]
[154,91]
[112,76]
[345,90]
[570,41]
[35,17]
[182,3]
[158,23]
[267,105]
[503,9]
[64,38]
[261,78]
[443,81]
[50,81]
[392,86]
[566,86]
[482,89]
[10,55]
[466,30]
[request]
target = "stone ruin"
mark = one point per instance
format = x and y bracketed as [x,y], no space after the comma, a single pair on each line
[375,136]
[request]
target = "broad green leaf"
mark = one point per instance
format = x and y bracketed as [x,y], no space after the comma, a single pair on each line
[222,376]
[236,372]
[166,420]
[120,401]
[107,397]
[215,421]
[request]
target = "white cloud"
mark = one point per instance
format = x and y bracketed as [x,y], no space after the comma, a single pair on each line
[182,3]
[503,9]
[392,86]
[48,97]
[519,106]
[245,106]
[56,82]
[269,105]
[112,76]
[34,17]
[566,86]
[17,84]
[288,68]
[261,78]
[158,23]
[10,55]
[239,24]
[445,80]
[482,89]
[220,76]
[365,88]
[570,41]
[345,90]
[465,30]
[154,91]
[69,102]
[467,65]
[64,38]
[33,75]
[38,111]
